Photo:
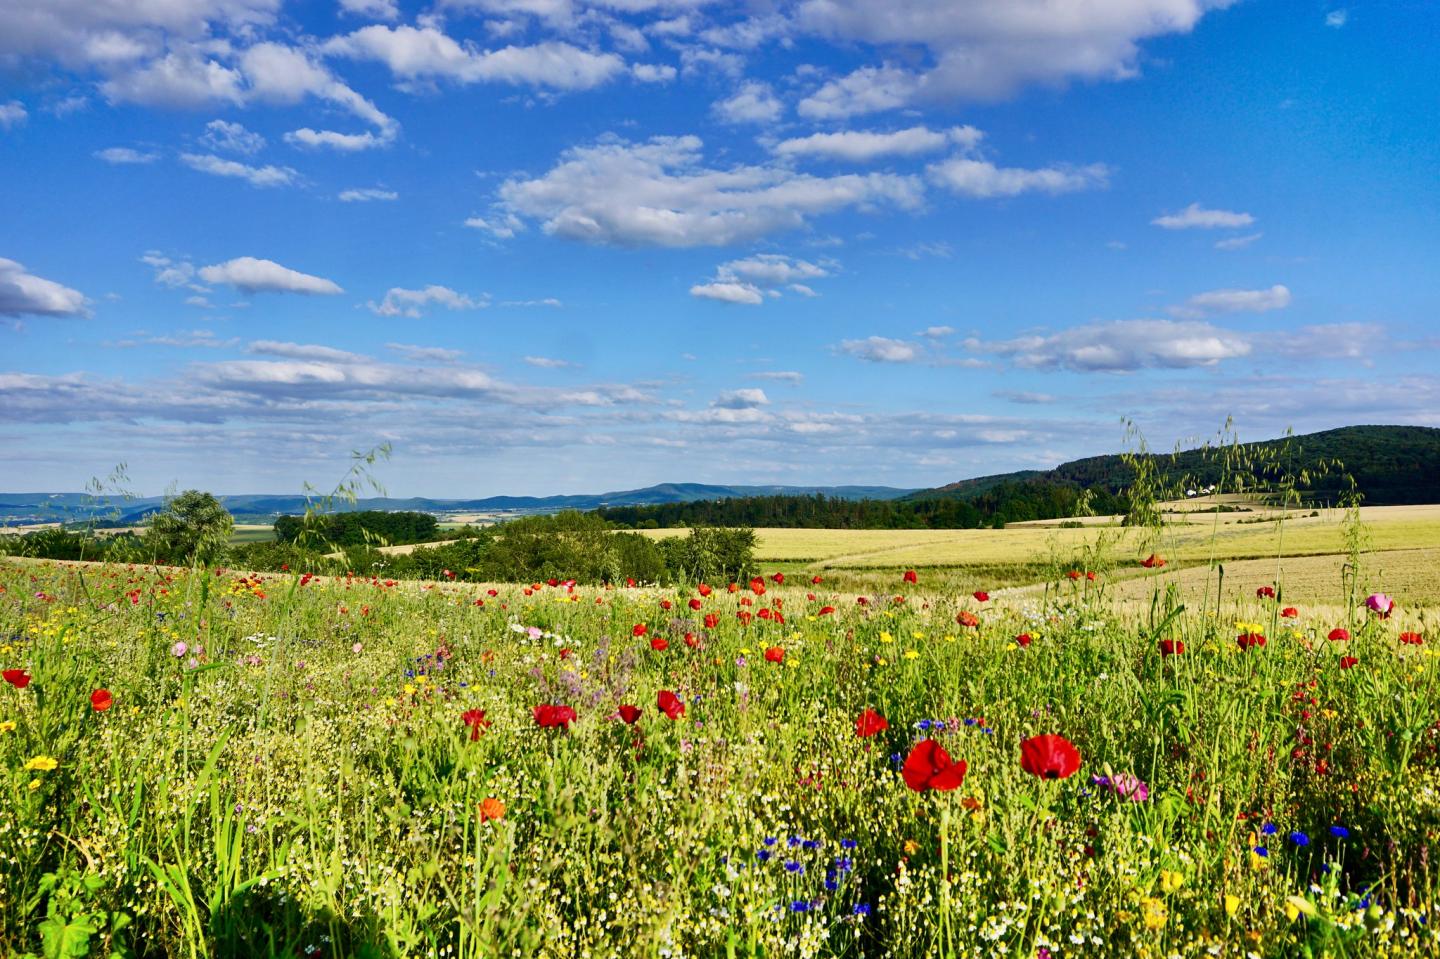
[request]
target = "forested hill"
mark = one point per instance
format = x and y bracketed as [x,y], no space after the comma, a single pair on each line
[1391,465]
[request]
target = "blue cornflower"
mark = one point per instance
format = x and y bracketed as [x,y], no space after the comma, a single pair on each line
[897,760]
[987,731]
[769,840]
[1339,832]
[969,722]
[763,855]
[1269,829]
[800,905]
[830,884]
[1261,851]
[844,864]
[861,909]
[794,841]
[848,844]
[793,866]
[810,844]
[1299,839]
[923,724]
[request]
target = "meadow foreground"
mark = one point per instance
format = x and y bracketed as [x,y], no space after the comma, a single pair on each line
[218,763]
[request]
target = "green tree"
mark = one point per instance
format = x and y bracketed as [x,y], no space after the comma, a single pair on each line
[194,527]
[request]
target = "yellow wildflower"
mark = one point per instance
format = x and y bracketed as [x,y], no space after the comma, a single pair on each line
[42,763]
[1170,880]
[8,726]
[1154,913]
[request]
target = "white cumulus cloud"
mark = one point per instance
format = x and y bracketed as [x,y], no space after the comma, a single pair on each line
[125,155]
[1122,346]
[660,193]
[252,275]
[402,302]
[882,349]
[261,176]
[1276,297]
[23,293]
[1196,216]
[862,146]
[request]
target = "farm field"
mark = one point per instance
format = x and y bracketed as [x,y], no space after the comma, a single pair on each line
[219,763]
[1403,537]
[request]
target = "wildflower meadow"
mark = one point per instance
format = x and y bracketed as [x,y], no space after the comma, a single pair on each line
[217,762]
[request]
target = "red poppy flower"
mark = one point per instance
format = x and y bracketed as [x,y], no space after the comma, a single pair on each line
[1265,592]
[552,582]
[929,766]
[639,629]
[17,678]
[474,718]
[101,700]
[1347,661]
[1152,562]
[694,603]
[691,641]
[1172,647]
[967,618]
[669,704]
[862,600]
[548,716]
[774,654]
[1411,639]
[1290,612]
[492,592]
[629,713]
[665,604]
[733,587]
[911,577]
[659,644]
[981,596]
[629,582]
[826,610]
[1049,757]
[703,590]
[869,723]
[1339,634]
[1024,639]
[779,579]
[816,581]
[1073,574]
[744,616]
[712,620]
[1250,640]
[764,614]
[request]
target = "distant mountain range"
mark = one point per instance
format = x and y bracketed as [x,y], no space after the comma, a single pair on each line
[68,507]
[1390,465]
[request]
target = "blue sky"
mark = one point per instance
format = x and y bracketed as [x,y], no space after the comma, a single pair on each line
[546,246]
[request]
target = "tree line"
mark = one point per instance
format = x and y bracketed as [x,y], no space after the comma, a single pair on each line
[1012,502]
[195,528]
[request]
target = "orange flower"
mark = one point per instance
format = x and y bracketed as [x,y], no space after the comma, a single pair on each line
[491,808]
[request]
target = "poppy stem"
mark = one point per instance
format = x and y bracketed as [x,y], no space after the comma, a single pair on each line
[946,950]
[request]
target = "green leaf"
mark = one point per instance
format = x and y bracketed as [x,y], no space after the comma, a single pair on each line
[66,940]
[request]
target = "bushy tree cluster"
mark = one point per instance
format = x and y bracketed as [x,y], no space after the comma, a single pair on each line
[379,527]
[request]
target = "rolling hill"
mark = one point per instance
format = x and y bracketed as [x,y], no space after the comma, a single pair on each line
[1391,465]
